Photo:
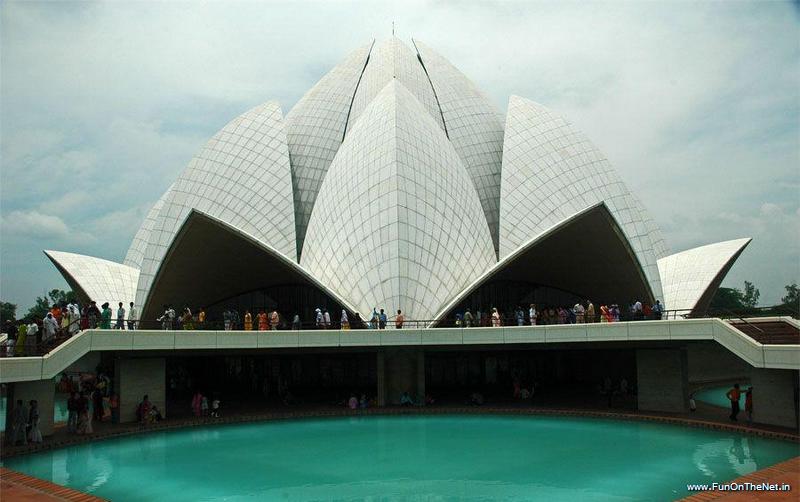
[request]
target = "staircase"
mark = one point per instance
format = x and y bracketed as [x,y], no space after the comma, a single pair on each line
[769,332]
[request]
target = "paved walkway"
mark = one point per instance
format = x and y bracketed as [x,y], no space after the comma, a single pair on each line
[785,472]
[18,487]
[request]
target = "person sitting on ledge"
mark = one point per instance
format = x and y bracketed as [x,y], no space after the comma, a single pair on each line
[143,410]
[405,400]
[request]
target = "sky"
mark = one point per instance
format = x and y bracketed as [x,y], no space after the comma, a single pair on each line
[102,105]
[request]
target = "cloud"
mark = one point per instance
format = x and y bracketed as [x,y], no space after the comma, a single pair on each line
[34,224]
[103,104]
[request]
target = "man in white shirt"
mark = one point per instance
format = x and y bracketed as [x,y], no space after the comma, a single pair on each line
[132,313]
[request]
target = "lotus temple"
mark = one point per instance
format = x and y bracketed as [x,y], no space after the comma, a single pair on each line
[396,184]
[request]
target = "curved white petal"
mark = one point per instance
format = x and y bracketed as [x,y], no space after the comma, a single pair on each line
[95,278]
[315,130]
[390,60]
[550,171]
[690,278]
[559,257]
[139,245]
[474,127]
[231,261]
[242,177]
[397,223]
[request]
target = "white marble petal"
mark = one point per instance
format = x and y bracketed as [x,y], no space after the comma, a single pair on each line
[100,280]
[690,278]
[397,223]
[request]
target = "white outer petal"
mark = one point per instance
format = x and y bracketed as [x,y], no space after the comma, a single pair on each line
[138,247]
[474,127]
[241,177]
[689,275]
[315,130]
[397,223]
[101,280]
[550,171]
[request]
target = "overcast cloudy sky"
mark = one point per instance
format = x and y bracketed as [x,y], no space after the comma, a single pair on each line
[103,104]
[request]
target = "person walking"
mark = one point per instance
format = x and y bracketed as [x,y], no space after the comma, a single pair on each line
[733,395]
[50,327]
[120,324]
[399,320]
[382,318]
[132,314]
[657,310]
[105,317]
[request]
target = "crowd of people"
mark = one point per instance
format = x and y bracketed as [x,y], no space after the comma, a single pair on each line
[581,312]
[64,320]
[24,426]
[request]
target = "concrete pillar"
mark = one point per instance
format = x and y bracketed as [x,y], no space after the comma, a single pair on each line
[380,368]
[136,377]
[44,392]
[662,380]
[404,371]
[774,394]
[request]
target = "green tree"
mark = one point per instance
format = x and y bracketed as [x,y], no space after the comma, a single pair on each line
[8,312]
[727,299]
[792,298]
[750,295]
[43,304]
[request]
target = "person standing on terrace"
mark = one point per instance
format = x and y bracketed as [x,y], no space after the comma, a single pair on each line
[120,324]
[399,320]
[132,314]
[344,322]
[468,319]
[248,321]
[50,326]
[263,323]
[275,320]
[495,318]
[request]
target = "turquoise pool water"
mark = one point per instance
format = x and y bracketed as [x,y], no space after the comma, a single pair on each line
[60,412]
[716,396]
[399,458]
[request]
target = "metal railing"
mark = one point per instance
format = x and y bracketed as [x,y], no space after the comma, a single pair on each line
[41,346]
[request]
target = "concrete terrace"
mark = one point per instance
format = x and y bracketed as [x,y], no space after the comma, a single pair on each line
[758,355]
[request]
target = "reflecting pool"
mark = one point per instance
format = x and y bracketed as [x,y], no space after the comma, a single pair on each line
[418,457]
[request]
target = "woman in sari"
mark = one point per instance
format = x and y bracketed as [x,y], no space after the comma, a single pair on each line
[605,314]
[263,323]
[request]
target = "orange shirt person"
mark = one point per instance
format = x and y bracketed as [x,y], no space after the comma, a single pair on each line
[263,325]
[734,394]
[399,320]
